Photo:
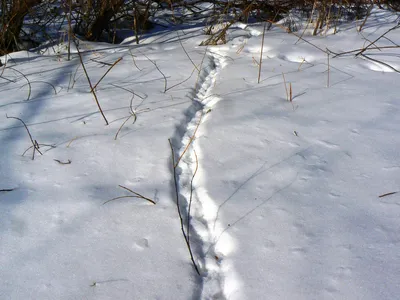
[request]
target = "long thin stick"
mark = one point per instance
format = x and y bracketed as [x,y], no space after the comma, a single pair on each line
[90,83]
[190,141]
[155,64]
[179,208]
[191,195]
[34,145]
[329,70]
[187,54]
[381,36]
[105,74]
[28,82]
[261,55]
[286,89]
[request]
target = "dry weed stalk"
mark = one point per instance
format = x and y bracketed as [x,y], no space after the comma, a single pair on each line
[186,234]
[329,70]
[27,80]
[90,83]
[105,74]
[286,88]
[35,144]
[158,69]
[190,141]
[261,55]
[135,195]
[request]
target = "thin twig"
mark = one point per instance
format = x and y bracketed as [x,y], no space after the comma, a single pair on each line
[136,195]
[41,81]
[155,64]
[381,36]
[286,89]
[187,54]
[90,83]
[28,82]
[68,162]
[191,195]
[329,70]
[134,61]
[380,62]
[179,208]
[261,55]
[132,114]
[105,74]
[34,143]
[190,141]
[183,81]
[387,194]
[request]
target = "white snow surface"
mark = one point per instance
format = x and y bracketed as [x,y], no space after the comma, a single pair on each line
[285,198]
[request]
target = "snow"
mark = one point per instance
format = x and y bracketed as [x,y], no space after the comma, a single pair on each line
[285,197]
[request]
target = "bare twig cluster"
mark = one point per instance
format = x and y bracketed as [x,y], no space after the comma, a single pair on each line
[35,145]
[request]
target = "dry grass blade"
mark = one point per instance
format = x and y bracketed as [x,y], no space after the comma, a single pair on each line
[35,144]
[329,70]
[155,64]
[174,165]
[190,141]
[191,195]
[380,62]
[134,61]
[135,195]
[381,36]
[68,162]
[105,74]
[187,54]
[28,82]
[261,54]
[41,81]
[387,194]
[132,114]
[286,89]
[90,83]
[300,37]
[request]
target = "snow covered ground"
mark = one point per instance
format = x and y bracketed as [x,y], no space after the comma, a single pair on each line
[284,201]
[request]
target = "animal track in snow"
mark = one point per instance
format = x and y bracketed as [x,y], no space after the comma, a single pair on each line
[210,247]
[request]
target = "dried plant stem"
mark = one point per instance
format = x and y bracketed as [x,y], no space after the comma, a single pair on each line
[191,195]
[296,35]
[357,50]
[122,125]
[187,54]
[35,145]
[132,114]
[190,141]
[134,61]
[163,75]
[183,81]
[329,70]
[387,194]
[90,84]
[105,74]
[286,89]
[381,36]
[366,17]
[261,54]
[135,195]
[69,28]
[179,208]
[28,82]
[41,81]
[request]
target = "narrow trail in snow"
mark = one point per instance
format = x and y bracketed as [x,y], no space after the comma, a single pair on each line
[210,250]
